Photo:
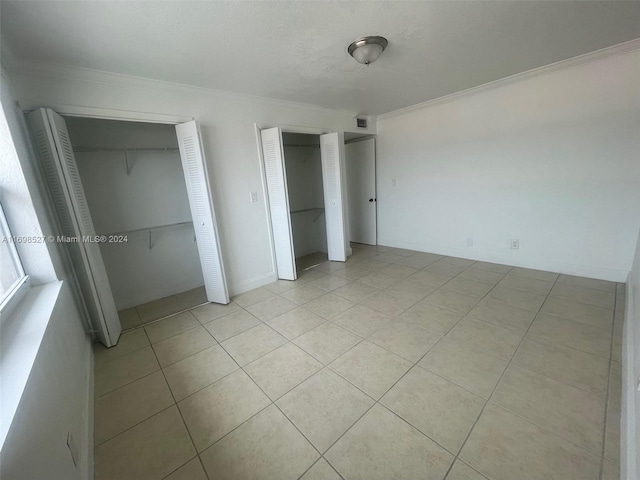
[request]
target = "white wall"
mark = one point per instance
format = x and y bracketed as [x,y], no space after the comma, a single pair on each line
[57,398]
[153,194]
[229,138]
[304,185]
[630,425]
[551,161]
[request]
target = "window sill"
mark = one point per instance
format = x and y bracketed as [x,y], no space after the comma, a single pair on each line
[22,332]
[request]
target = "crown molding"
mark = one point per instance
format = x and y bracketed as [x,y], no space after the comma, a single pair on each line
[68,72]
[614,50]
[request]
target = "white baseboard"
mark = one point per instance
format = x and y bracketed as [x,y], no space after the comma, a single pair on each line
[601,273]
[252,283]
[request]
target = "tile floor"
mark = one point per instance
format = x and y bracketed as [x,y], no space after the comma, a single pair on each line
[395,364]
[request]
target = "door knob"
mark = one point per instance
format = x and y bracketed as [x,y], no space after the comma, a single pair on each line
[371,199]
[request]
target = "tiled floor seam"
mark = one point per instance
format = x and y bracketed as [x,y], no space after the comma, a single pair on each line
[129,383]
[156,320]
[496,385]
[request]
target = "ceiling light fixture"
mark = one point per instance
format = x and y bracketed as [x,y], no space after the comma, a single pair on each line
[366,50]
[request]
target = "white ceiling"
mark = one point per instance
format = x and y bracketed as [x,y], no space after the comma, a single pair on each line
[296,50]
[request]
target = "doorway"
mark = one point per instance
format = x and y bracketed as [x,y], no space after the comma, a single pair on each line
[360,161]
[136,199]
[304,178]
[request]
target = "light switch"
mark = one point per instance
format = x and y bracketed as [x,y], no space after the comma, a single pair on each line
[253,196]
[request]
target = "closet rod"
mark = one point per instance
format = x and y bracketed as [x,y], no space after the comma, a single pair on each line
[81,148]
[150,229]
[298,145]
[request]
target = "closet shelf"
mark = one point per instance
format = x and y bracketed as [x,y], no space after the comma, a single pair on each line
[318,211]
[302,146]
[150,230]
[80,148]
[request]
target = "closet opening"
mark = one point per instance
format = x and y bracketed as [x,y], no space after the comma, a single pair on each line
[135,201]
[306,198]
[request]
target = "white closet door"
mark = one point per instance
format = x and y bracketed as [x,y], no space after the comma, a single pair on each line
[63,178]
[331,155]
[276,176]
[202,211]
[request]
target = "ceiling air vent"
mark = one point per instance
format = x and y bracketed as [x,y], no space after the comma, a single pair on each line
[361,122]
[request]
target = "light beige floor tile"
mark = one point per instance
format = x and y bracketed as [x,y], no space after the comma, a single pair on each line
[569,412]
[468,287]
[281,370]
[252,297]
[569,333]
[409,341]
[361,320]
[124,370]
[332,266]
[329,282]
[564,364]
[151,449]
[431,317]
[610,470]
[265,447]
[504,446]
[183,345]
[129,318]
[589,296]
[463,262]
[217,409]
[498,341]
[445,268]
[231,325]
[398,271]
[382,446]
[280,286]
[410,289]
[536,274]
[211,311]
[429,279]
[194,297]
[517,298]
[482,275]
[328,306]
[438,408]
[456,302]
[252,344]
[612,437]
[271,308]
[390,305]
[197,371]
[472,369]
[295,322]
[377,280]
[306,276]
[191,470]
[526,284]
[128,342]
[493,267]
[353,272]
[461,471]
[427,256]
[159,308]
[123,408]
[389,257]
[321,471]
[324,407]
[355,292]
[616,352]
[403,252]
[584,282]
[415,262]
[171,326]
[502,314]
[615,386]
[580,312]
[327,342]
[302,294]
[370,368]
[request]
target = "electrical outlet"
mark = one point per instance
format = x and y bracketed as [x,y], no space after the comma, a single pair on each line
[393,182]
[515,244]
[253,197]
[469,242]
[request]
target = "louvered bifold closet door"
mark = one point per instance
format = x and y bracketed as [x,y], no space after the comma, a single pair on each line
[62,176]
[331,155]
[202,211]
[275,173]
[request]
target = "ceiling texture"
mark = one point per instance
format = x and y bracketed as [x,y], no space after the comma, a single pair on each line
[296,50]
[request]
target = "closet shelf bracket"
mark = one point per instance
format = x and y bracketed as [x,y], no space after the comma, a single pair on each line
[128,166]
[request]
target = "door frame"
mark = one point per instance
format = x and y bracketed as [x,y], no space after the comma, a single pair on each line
[375,169]
[286,128]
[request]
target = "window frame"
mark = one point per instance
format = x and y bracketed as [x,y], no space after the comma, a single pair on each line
[20,287]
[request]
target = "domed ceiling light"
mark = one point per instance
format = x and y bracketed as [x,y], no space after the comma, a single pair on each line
[366,50]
